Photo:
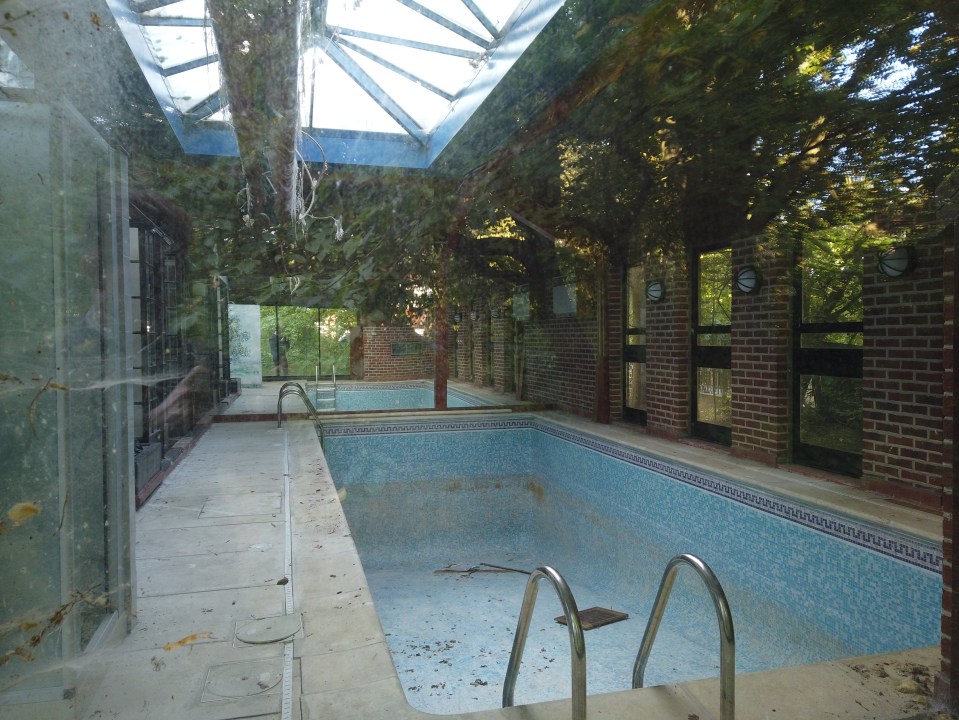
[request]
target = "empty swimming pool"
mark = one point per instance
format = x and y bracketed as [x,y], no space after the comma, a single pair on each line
[432,505]
[359,397]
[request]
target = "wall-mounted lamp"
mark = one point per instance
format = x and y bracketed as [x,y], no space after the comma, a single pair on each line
[495,313]
[457,318]
[655,291]
[474,315]
[896,261]
[748,279]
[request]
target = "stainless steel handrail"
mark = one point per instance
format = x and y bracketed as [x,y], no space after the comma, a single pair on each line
[294,388]
[727,646]
[577,644]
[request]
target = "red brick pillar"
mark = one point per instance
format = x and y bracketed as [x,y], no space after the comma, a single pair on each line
[947,682]
[502,338]
[902,377]
[761,333]
[667,351]
[481,338]
[615,323]
[463,344]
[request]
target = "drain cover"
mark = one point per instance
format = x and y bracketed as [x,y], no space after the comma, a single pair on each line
[243,679]
[269,630]
[595,617]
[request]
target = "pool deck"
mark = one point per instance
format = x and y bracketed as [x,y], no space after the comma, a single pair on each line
[221,543]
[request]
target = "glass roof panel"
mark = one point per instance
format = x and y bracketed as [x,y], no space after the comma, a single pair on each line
[448,73]
[406,71]
[426,107]
[337,102]
[188,89]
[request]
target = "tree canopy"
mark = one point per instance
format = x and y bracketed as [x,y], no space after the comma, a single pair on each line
[627,130]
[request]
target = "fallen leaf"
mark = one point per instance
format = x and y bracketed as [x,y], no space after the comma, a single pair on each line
[21,511]
[187,640]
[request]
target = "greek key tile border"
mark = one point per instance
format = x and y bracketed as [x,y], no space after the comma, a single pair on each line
[913,551]
[361,386]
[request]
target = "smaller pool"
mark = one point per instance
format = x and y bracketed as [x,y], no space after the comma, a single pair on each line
[357,397]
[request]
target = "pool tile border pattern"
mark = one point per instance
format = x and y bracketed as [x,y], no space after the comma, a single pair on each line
[912,551]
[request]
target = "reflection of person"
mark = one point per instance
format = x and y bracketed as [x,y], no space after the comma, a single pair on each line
[279,346]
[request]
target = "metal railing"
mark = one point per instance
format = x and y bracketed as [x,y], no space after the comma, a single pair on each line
[577,644]
[727,647]
[294,388]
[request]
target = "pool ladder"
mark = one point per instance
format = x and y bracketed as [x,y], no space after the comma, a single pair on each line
[294,388]
[577,644]
[326,394]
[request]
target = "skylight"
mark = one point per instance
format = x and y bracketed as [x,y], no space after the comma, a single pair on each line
[382,82]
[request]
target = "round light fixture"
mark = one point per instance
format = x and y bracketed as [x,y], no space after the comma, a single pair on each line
[748,279]
[457,318]
[896,261]
[655,291]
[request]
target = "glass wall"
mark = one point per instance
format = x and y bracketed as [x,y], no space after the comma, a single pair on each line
[300,342]
[65,402]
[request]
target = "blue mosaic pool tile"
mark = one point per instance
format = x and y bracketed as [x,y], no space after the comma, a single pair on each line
[911,550]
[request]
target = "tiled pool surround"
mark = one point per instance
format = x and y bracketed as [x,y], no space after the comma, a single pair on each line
[869,589]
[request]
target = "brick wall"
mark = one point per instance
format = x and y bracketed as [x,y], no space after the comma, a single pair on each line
[902,377]
[761,331]
[667,353]
[560,363]
[379,363]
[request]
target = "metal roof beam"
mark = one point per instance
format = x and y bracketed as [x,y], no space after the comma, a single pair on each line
[380,96]
[481,16]
[161,21]
[205,108]
[143,6]
[443,21]
[429,47]
[395,68]
[191,65]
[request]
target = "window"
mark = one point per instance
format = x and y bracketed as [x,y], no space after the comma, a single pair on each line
[712,333]
[827,382]
[634,347]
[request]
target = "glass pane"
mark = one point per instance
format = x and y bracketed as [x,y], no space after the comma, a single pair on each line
[830,412]
[715,287]
[832,340]
[832,277]
[714,339]
[635,299]
[714,396]
[335,325]
[636,386]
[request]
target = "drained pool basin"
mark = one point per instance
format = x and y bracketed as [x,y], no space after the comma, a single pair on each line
[448,515]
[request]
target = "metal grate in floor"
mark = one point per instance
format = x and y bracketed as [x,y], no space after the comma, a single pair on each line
[595,617]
